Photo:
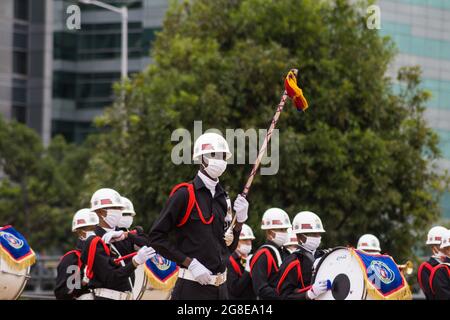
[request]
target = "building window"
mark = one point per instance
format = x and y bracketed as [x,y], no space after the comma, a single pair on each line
[19,113]
[21,9]
[20,65]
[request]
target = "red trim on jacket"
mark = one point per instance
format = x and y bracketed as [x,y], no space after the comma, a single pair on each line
[91,255]
[270,260]
[235,266]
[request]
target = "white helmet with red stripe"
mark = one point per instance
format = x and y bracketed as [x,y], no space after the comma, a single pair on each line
[84,218]
[106,198]
[369,242]
[209,143]
[128,206]
[246,233]
[292,240]
[275,218]
[445,239]
[435,235]
[307,222]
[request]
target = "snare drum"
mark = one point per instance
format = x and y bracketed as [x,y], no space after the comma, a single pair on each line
[12,282]
[142,289]
[342,268]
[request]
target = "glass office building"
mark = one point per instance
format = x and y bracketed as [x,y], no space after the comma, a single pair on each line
[87,61]
[421,30]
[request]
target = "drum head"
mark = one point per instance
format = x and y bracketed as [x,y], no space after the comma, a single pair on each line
[343,270]
[12,282]
[140,282]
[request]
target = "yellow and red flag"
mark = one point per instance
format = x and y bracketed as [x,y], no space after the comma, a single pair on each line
[294,92]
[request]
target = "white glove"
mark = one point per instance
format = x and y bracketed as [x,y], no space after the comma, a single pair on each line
[228,237]
[113,236]
[200,272]
[318,288]
[241,209]
[143,255]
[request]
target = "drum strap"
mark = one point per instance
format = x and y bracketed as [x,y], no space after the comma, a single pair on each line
[77,253]
[235,266]
[428,267]
[91,255]
[276,251]
[295,264]
[191,203]
[433,273]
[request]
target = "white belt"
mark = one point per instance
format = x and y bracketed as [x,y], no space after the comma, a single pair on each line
[112,294]
[86,296]
[216,280]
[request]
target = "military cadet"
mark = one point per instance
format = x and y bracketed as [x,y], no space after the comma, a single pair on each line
[83,224]
[109,280]
[108,205]
[440,276]
[292,244]
[126,221]
[195,214]
[295,274]
[266,261]
[238,275]
[434,240]
[369,244]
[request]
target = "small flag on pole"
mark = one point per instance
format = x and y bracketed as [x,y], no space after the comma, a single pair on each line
[294,92]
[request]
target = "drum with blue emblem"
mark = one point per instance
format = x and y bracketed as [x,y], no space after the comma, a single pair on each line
[12,281]
[358,275]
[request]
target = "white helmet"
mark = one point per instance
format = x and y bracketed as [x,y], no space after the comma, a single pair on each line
[445,240]
[210,142]
[435,235]
[84,218]
[369,242]
[129,208]
[292,240]
[246,233]
[275,218]
[105,198]
[307,222]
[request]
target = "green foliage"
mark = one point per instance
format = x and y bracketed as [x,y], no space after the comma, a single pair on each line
[40,187]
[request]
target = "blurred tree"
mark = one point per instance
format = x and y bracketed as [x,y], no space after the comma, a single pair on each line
[39,189]
[361,156]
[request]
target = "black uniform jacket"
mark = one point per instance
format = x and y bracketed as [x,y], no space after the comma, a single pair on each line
[195,238]
[62,289]
[239,281]
[423,277]
[441,281]
[107,274]
[295,275]
[264,272]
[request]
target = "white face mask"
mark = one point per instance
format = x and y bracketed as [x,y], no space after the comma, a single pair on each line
[113,217]
[215,168]
[280,238]
[440,256]
[312,243]
[125,222]
[87,234]
[245,249]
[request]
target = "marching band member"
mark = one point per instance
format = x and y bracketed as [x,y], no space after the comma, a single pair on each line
[434,239]
[108,280]
[296,271]
[292,244]
[196,214]
[440,276]
[239,281]
[267,259]
[83,224]
[126,221]
[107,204]
[369,243]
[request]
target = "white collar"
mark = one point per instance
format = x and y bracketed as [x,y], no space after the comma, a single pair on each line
[208,182]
